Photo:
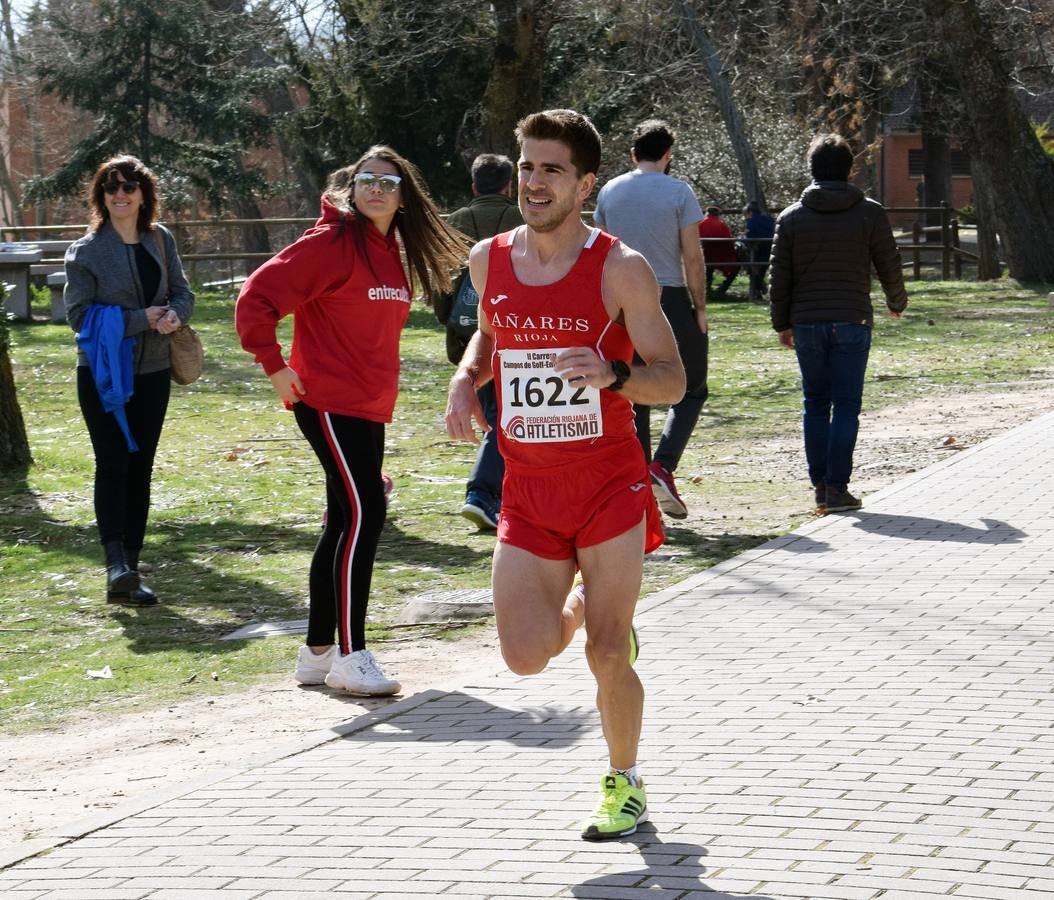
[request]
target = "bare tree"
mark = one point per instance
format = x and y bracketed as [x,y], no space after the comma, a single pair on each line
[726,103]
[514,83]
[1009,168]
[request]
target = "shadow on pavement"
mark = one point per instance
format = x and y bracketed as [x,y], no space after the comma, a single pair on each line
[917,528]
[674,867]
[457,716]
[802,544]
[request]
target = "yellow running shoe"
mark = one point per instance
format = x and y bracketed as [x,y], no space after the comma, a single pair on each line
[620,810]
[634,645]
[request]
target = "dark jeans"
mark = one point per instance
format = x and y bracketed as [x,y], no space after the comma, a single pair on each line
[489,469]
[832,357]
[694,348]
[726,283]
[759,254]
[122,479]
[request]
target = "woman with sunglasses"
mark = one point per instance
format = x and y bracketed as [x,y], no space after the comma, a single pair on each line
[348,291]
[124,285]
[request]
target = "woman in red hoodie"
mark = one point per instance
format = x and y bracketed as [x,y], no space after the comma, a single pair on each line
[349,293]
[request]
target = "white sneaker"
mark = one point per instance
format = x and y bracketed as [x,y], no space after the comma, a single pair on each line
[359,673]
[311,667]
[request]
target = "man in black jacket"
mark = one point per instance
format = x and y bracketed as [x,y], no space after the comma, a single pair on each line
[820,302]
[491,211]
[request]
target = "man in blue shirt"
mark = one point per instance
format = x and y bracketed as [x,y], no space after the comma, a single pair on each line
[760,227]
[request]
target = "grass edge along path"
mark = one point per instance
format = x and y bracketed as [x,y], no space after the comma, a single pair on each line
[237,495]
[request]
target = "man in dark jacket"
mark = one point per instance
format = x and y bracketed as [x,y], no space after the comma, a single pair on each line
[491,211]
[820,303]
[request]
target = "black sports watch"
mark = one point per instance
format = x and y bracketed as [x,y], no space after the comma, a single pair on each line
[622,373]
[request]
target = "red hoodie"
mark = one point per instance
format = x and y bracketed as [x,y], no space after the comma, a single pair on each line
[346,319]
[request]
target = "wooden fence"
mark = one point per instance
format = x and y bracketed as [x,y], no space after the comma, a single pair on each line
[937,245]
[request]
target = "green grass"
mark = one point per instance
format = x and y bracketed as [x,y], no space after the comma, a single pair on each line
[237,494]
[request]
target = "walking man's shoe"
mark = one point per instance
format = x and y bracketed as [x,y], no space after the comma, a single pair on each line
[622,807]
[840,500]
[665,491]
[821,497]
[481,511]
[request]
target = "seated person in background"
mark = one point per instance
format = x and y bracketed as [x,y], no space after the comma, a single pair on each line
[720,255]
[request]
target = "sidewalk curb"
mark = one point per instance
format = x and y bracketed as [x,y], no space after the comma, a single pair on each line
[83,827]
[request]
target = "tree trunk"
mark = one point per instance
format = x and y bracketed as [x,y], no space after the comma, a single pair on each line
[936,179]
[255,238]
[14,445]
[988,265]
[730,113]
[1006,154]
[144,111]
[514,87]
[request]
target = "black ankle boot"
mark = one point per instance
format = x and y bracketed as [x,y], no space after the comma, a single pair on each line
[138,596]
[120,577]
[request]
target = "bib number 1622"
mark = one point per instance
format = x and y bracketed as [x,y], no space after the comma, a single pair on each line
[531,392]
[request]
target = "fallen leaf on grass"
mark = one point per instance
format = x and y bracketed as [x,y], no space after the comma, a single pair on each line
[104,672]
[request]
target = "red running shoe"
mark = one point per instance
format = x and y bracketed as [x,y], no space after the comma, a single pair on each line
[665,492]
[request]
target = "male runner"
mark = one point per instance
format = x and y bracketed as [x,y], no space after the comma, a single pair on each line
[562,308]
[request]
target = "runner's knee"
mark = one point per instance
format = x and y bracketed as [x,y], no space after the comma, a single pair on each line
[524,660]
[607,654]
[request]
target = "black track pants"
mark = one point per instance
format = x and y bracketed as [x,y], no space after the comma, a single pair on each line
[351,451]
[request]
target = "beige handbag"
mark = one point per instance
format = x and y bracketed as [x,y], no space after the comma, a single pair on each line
[186,356]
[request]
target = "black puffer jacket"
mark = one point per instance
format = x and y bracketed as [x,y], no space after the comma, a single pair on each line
[822,254]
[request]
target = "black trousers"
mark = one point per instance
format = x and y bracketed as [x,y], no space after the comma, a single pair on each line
[351,451]
[122,479]
[694,348]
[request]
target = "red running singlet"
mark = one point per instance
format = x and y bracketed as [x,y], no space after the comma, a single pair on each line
[543,420]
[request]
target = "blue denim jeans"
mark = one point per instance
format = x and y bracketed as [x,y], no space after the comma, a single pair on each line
[832,357]
[489,469]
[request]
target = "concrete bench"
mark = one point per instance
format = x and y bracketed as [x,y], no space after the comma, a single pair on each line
[15,262]
[54,251]
[56,285]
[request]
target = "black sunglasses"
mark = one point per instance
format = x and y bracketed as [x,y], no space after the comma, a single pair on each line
[129,187]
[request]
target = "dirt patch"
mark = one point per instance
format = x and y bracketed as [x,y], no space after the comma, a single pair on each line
[52,778]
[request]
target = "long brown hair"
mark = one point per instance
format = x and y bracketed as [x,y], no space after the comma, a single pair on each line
[132,170]
[434,250]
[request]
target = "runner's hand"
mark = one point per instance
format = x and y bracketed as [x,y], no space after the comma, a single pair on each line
[288,385]
[701,320]
[462,407]
[787,337]
[581,365]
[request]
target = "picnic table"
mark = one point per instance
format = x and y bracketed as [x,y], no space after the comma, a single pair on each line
[15,260]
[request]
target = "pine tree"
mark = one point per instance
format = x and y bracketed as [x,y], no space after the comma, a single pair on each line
[170,83]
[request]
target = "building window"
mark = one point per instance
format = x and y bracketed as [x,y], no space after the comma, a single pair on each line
[960,163]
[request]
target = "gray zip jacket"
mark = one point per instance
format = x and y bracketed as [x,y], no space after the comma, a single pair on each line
[100,268]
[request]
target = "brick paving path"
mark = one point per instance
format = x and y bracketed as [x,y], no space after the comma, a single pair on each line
[859,709]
